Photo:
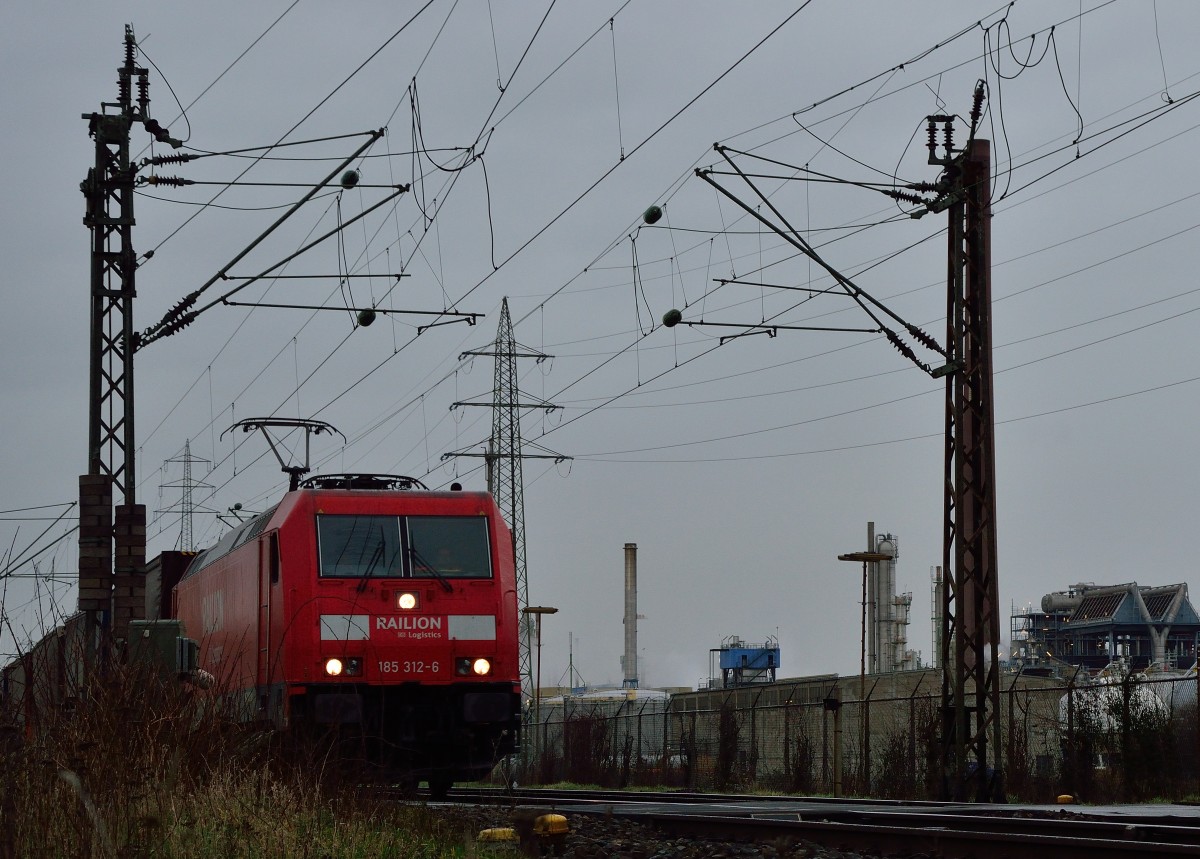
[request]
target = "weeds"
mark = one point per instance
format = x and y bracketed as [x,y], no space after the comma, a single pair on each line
[140,765]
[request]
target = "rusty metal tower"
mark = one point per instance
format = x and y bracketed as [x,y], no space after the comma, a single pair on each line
[108,190]
[971,743]
[969,643]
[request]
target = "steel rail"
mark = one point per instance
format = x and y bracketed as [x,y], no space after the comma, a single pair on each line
[927,836]
[886,826]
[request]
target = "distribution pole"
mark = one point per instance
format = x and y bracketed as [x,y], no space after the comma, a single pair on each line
[104,593]
[971,748]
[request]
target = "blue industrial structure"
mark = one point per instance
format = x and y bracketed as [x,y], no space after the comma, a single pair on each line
[1092,626]
[742,664]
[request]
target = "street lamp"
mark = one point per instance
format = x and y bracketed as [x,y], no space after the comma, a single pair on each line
[865,557]
[537,611]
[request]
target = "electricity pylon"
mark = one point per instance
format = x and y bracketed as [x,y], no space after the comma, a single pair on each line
[187,486]
[505,452]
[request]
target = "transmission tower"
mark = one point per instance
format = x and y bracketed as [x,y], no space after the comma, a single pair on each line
[108,190]
[504,454]
[187,487]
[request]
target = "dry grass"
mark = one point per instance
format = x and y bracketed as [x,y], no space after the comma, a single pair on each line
[136,764]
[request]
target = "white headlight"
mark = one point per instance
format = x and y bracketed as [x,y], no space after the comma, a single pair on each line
[406,601]
[481,666]
[333,667]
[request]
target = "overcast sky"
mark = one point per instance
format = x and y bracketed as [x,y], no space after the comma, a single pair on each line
[740,469]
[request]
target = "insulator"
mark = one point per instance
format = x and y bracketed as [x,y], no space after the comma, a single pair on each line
[924,339]
[174,181]
[143,91]
[977,107]
[908,198]
[171,320]
[903,349]
[162,160]
[177,325]
[949,139]
[901,346]
[932,137]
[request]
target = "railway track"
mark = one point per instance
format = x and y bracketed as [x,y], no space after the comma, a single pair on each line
[877,826]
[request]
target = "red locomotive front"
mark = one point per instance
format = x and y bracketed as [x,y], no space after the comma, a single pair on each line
[386,616]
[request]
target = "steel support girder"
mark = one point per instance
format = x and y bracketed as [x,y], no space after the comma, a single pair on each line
[971,685]
[109,193]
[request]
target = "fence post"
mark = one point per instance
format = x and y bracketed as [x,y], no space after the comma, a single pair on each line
[752,762]
[825,747]
[833,703]
[787,743]
[865,790]
[666,745]
[691,770]
[1071,761]
[912,735]
[638,750]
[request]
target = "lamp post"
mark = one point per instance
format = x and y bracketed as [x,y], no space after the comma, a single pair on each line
[865,557]
[537,611]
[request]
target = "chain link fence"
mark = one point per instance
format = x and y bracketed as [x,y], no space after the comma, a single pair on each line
[1122,739]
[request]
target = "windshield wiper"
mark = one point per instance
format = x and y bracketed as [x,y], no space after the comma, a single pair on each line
[420,559]
[376,557]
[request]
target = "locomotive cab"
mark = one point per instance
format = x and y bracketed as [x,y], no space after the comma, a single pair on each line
[369,609]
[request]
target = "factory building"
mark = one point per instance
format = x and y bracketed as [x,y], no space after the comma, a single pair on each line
[742,664]
[1092,626]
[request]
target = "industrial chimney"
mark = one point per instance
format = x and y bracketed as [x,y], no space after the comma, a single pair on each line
[629,660]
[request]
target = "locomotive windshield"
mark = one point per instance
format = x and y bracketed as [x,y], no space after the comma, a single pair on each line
[449,546]
[440,547]
[358,546]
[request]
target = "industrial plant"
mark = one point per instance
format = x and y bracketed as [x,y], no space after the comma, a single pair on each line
[1091,626]
[1094,657]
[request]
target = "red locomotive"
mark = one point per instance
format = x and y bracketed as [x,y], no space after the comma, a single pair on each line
[371,608]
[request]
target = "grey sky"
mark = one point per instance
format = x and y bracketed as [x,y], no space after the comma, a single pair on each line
[740,471]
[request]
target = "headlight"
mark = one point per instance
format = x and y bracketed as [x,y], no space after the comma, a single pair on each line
[351,666]
[406,601]
[478,666]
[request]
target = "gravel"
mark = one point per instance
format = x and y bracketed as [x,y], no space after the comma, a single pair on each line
[599,837]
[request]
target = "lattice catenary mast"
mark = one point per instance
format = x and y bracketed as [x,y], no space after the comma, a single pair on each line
[108,190]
